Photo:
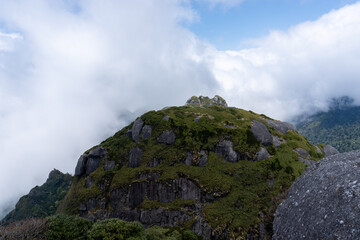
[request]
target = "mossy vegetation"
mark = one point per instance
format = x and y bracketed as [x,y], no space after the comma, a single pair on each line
[244,189]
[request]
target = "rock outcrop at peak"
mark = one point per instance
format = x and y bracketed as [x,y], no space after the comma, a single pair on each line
[202,167]
[323,203]
[202,101]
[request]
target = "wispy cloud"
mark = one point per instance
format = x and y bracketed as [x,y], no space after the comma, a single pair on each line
[72,74]
[295,71]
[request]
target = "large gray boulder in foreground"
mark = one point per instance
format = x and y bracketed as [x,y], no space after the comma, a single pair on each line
[324,202]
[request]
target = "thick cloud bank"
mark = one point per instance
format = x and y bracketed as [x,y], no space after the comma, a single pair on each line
[70,74]
[297,71]
[73,72]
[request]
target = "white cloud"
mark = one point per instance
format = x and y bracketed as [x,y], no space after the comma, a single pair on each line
[295,71]
[72,72]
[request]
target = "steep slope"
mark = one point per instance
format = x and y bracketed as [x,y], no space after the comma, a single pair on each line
[216,170]
[41,201]
[339,127]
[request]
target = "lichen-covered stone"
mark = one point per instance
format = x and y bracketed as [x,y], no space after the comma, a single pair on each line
[225,149]
[135,157]
[302,152]
[282,127]
[94,158]
[329,150]
[146,131]
[262,154]
[89,182]
[323,203]
[109,165]
[277,141]
[154,162]
[261,133]
[136,129]
[188,159]
[167,137]
[203,159]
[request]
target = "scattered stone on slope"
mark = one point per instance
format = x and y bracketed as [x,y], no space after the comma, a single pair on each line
[262,154]
[261,133]
[329,150]
[225,149]
[203,159]
[277,141]
[146,131]
[302,152]
[136,129]
[323,203]
[282,127]
[154,162]
[109,165]
[188,159]
[135,157]
[318,150]
[166,118]
[167,137]
[89,182]
[307,161]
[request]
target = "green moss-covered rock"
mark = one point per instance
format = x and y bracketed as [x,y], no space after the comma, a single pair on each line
[208,179]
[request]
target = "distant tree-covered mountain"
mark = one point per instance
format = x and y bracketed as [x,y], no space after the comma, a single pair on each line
[339,127]
[41,201]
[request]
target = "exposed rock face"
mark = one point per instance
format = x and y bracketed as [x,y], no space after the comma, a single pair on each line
[109,165]
[225,149]
[329,150]
[282,127]
[167,137]
[302,152]
[154,162]
[135,157]
[278,141]
[323,203]
[206,101]
[262,154]
[261,133]
[88,163]
[136,129]
[146,131]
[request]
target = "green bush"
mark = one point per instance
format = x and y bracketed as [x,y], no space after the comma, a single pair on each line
[189,235]
[115,229]
[159,233]
[67,228]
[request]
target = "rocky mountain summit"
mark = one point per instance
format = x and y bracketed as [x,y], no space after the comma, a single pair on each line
[218,171]
[206,101]
[323,203]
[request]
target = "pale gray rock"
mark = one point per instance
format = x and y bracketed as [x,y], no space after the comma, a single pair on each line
[324,202]
[94,159]
[146,131]
[166,118]
[261,133]
[109,165]
[318,150]
[329,150]
[278,141]
[204,159]
[136,129]
[262,154]
[225,149]
[80,166]
[282,127]
[89,182]
[135,157]
[154,162]
[307,161]
[302,152]
[188,160]
[167,137]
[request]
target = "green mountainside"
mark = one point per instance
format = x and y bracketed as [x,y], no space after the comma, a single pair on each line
[41,201]
[339,127]
[216,170]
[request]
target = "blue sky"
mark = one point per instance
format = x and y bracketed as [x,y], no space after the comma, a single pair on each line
[228,28]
